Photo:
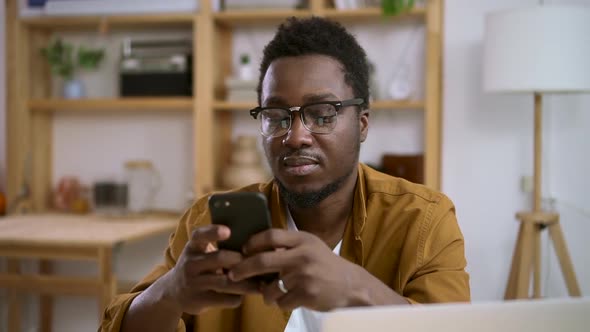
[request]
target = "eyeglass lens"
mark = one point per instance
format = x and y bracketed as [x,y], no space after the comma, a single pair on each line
[317,118]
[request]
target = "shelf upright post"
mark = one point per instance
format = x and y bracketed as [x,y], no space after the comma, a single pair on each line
[203,124]
[433,111]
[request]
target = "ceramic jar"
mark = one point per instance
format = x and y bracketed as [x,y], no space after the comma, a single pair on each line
[143,181]
[245,164]
[74,89]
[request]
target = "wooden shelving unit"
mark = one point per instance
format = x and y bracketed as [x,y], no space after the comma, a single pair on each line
[370,13]
[30,109]
[258,17]
[117,104]
[115,21]
[233,106]
[375,105]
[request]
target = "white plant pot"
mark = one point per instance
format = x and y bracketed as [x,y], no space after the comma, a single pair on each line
[246,72]
[73,89]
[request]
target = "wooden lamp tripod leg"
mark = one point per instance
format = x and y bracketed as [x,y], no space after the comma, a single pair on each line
[526,260]
[516,255]
[537,261]
[567,268]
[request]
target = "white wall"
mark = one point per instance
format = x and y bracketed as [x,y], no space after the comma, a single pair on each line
[487,147]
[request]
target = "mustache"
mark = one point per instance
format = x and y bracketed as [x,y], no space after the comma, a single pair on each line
[300,154]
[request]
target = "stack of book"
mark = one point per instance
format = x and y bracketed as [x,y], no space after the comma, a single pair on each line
[104,7]
[355,4]
[260,4]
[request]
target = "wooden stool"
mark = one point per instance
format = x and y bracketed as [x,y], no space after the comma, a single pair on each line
[527,255]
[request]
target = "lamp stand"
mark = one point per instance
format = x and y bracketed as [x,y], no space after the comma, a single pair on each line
[527,251]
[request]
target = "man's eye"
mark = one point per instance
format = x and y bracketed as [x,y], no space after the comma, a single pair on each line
[324,120]
[321,115]
[277,119]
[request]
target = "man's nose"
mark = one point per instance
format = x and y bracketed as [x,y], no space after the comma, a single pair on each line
[298,136]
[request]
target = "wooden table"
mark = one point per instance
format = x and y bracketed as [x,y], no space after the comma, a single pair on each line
[67,237]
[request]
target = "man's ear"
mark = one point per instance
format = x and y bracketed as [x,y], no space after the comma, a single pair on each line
[364,124]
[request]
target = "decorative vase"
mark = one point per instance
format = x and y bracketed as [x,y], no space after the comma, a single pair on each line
[246,70]
[245,167]
[73,89]
[67,191]
[400,87]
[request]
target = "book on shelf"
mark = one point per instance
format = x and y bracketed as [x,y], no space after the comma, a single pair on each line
[356,4]
[260,4]
[30,7]
[106,7]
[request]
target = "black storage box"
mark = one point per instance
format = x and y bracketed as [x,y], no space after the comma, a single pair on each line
[156,68]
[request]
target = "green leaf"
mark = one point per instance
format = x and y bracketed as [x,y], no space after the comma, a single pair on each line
[89,58]
[63,62]
[396,7]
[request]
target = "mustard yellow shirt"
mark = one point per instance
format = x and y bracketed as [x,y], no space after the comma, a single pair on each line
[404,234]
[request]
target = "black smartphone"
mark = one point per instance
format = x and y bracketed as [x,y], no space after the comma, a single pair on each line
[245,214]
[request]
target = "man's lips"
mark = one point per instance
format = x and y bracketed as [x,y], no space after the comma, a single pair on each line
[292,161]
[300,165]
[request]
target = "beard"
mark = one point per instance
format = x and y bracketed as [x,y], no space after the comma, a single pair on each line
[310,199]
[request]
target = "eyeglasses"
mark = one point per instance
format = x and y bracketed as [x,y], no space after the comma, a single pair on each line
[318,118]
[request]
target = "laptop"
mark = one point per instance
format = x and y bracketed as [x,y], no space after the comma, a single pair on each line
[544,315]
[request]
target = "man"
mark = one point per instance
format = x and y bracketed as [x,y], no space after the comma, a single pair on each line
[343,234]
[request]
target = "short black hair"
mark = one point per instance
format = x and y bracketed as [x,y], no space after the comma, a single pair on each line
[320,36]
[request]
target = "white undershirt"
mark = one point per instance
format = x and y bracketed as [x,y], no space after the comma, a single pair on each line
[302,319]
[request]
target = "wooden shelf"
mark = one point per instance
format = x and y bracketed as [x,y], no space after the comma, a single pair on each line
[362,14]
[376,105]
[234,105]
[257,17]
[126,104]
[108,22]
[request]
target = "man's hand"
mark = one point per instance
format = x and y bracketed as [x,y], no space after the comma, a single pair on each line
[197,280]
[314,276]
[196,283]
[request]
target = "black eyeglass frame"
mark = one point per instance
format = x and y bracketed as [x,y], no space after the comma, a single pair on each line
[290,110]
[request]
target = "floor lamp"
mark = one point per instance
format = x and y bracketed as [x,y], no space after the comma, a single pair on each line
[538,50]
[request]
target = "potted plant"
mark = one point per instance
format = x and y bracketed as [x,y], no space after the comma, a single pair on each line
[246,69]
[64,62]
[396,7]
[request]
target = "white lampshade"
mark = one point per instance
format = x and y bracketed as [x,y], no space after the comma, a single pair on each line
[540,49]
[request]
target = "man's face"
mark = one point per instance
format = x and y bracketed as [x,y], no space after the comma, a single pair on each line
[306,164]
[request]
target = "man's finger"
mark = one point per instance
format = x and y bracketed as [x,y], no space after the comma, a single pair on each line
[292,300]
[203,236]
[215,299]
[211,262]
[272,293]
[263,263]
[272,239]
[220,283]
